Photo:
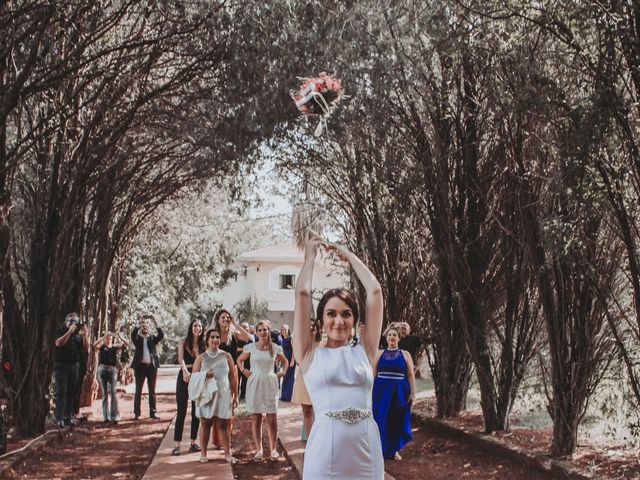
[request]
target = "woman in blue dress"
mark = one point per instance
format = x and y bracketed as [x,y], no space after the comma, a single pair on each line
[393,394]
[287,382]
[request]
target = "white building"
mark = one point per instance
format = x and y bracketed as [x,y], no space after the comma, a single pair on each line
[270,274]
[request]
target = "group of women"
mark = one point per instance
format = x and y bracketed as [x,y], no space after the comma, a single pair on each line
[357,397]
[218,357]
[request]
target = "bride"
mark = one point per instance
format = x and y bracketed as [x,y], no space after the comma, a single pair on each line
[344,440]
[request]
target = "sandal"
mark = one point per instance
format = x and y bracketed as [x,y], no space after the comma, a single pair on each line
[275,455]
[203,459]
[397,456]
[175,451]
[258,456]
[194,448]
[231,459]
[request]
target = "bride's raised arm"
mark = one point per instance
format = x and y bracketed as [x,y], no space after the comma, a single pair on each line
[374,307]
[301,341]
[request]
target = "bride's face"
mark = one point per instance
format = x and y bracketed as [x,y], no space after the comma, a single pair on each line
[337,319]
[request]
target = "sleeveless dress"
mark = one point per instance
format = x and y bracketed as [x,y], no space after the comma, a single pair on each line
[182,400]
[288,379]
[231,347]
[391,408]
[262,385]
[221,405]
[339,378]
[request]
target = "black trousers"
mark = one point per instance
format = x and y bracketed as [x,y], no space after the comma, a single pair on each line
[149,373]
[77,394]
[65,376]
[243,380]
[182,398]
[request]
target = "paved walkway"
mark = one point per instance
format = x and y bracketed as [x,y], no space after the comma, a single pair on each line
[187,467]
[165,466]
[165,383]
[289,422]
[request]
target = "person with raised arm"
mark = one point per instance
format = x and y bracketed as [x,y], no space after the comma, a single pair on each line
[71,340]
[344,440]
[145,362]
[108,372]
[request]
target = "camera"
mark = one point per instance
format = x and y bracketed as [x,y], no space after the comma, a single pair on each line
[78,323]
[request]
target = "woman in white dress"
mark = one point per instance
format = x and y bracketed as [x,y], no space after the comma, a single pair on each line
[219,365]
[262,386]
[344,440]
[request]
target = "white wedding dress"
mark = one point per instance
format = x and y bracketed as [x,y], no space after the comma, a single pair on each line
[337,379]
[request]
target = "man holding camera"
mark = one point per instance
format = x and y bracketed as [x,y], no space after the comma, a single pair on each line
[71,341]
[145,362]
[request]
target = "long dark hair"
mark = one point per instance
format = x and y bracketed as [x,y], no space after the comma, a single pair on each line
[188,342]
[343,294]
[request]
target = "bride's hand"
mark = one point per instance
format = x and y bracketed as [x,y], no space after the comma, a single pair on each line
[312,243]
[339,250]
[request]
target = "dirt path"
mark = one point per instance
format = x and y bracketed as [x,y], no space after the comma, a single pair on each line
[105,451]
[431,455]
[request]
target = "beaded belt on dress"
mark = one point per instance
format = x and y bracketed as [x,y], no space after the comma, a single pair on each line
[350,414]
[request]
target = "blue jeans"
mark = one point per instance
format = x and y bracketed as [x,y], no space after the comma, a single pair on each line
[65,376]
[107,376]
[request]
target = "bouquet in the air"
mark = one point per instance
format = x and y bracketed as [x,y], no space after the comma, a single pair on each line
[318,96]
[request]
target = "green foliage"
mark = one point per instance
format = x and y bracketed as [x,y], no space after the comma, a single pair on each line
[179,264]
[251,310]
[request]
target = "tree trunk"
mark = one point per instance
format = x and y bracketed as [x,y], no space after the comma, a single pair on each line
[449,360]
[32,405]
[475,332]
[565,431]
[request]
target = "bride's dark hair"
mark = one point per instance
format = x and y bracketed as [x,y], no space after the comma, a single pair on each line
[343,294]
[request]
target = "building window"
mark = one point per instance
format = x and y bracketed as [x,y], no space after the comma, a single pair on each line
[287,282]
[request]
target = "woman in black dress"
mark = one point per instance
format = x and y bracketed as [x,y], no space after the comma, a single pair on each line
[188,350]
